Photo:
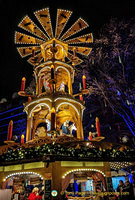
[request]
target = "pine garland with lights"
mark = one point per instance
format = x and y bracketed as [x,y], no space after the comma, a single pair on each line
[60,152]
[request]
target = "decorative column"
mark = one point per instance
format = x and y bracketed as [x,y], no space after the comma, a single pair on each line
[28,133]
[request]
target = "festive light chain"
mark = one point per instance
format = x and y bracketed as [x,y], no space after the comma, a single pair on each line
[65,37]
[37,101]
[40,71]
[37,106]
[74,101]
[57,108]
[83,169]
[71,41]
[38,43]
[37,28]
[61,10]
[35,13]
[119,165]
[19,173]
[45,63]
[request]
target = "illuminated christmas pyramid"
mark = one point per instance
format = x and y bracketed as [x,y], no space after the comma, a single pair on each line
[53,111]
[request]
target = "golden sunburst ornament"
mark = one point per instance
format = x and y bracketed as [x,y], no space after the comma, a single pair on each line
[31,46]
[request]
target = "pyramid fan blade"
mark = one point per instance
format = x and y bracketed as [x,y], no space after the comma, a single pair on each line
[43,17]
[79,25]
[36,59]
[62,19]
[29,25]
[88,38]
[21,38]
[81,50]
[26,51]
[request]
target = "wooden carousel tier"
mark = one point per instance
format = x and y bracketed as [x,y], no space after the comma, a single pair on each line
[67,141]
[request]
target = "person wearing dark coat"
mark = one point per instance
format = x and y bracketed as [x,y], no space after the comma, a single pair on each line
[120,190]
[129,190]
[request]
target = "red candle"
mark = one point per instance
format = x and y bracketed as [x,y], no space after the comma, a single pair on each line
[29,99]
[10,130]
[84,81]
[33,52]
[98,127]
[22,138]
[90,136]
[81,97]
[74,52]
[23,84]
[53,118]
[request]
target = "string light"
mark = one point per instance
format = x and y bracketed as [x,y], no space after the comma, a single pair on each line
[43,25]
[37,106]
[83,169]
[83,39]
[69,31]
[59,12]
[20,173]
[21,25]
[71,100]
[32,40]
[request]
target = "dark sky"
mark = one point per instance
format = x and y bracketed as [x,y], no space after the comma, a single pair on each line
[12,66]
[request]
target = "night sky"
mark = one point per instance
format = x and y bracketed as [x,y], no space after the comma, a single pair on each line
[12,66]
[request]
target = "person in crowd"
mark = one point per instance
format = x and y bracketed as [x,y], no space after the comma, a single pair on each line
[120,188]
[128,189]
[34,195]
